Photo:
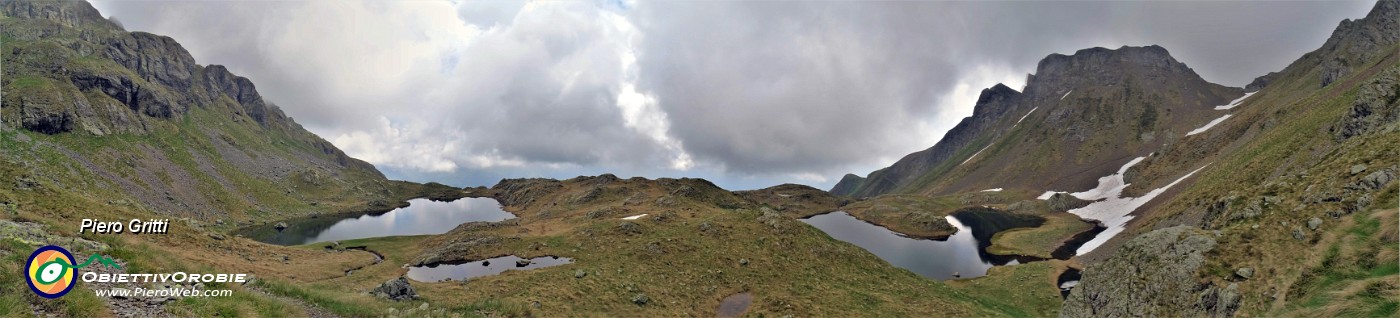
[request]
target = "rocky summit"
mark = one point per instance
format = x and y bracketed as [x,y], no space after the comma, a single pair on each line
[1117,182]
[1088,110]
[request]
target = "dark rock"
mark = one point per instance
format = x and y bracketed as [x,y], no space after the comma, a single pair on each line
[641,299]
[280,226]
[1374,108]
[1298,234]
[1333,70]
[1065,202]
[580,273]
[1261,82]
[522,263]
[1154,274]
[217,236]
[743,262]
[522,192]
[396,289]
[627,227]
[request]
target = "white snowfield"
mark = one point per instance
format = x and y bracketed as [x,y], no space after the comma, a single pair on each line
[1235,102]
[992,190]
[1023,118]
[1066,94]
[974,155]
[634,217]
[1209,125]
[1110,207]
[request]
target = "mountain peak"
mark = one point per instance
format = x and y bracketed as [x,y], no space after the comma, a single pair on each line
[1097,60]
[1357,41]
[999,91]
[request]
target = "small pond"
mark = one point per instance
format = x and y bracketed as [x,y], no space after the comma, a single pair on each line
[421,217]
[493,266]
[1067,281]
[963,253]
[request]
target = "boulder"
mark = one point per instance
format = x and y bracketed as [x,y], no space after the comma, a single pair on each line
[1245,272]
[396,289]
[1065,202]
[1121,286]
[1314,223]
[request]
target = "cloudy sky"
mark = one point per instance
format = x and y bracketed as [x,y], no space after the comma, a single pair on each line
[747,94]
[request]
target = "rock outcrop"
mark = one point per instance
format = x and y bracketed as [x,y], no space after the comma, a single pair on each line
[1065,202]
[1376,108]
[1153,275]
[396,289]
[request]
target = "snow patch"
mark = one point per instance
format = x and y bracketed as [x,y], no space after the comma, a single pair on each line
[1066,94]
[1109,186]
[1114,212]
[974,155]
[992,190]
[634,217]
[1110,207]
[1023,118]
[1209,125]
[1235,102]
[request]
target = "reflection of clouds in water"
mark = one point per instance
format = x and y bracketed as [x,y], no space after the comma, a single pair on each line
[473,269]
[928,258]
[421,217]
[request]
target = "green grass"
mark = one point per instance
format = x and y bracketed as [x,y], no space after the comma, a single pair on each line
[325,299]
[1039,241]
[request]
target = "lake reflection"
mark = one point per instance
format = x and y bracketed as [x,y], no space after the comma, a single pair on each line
[421,217]
[962,253]
[463,271]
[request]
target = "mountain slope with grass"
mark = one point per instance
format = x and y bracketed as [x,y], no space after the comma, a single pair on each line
[1079,118]
[97,122]
[131,114]
[1298,194]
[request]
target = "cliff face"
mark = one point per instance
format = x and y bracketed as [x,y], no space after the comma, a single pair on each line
[177,135]
[996,107]
[1079,118]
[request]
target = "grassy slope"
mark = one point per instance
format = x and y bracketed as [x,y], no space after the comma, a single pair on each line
[1282,147]
[1039,241]
[685,261]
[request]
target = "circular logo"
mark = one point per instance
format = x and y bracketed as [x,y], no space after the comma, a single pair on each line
[50,271]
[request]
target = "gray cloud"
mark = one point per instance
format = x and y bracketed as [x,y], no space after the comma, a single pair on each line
[747,93]
[777,86]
